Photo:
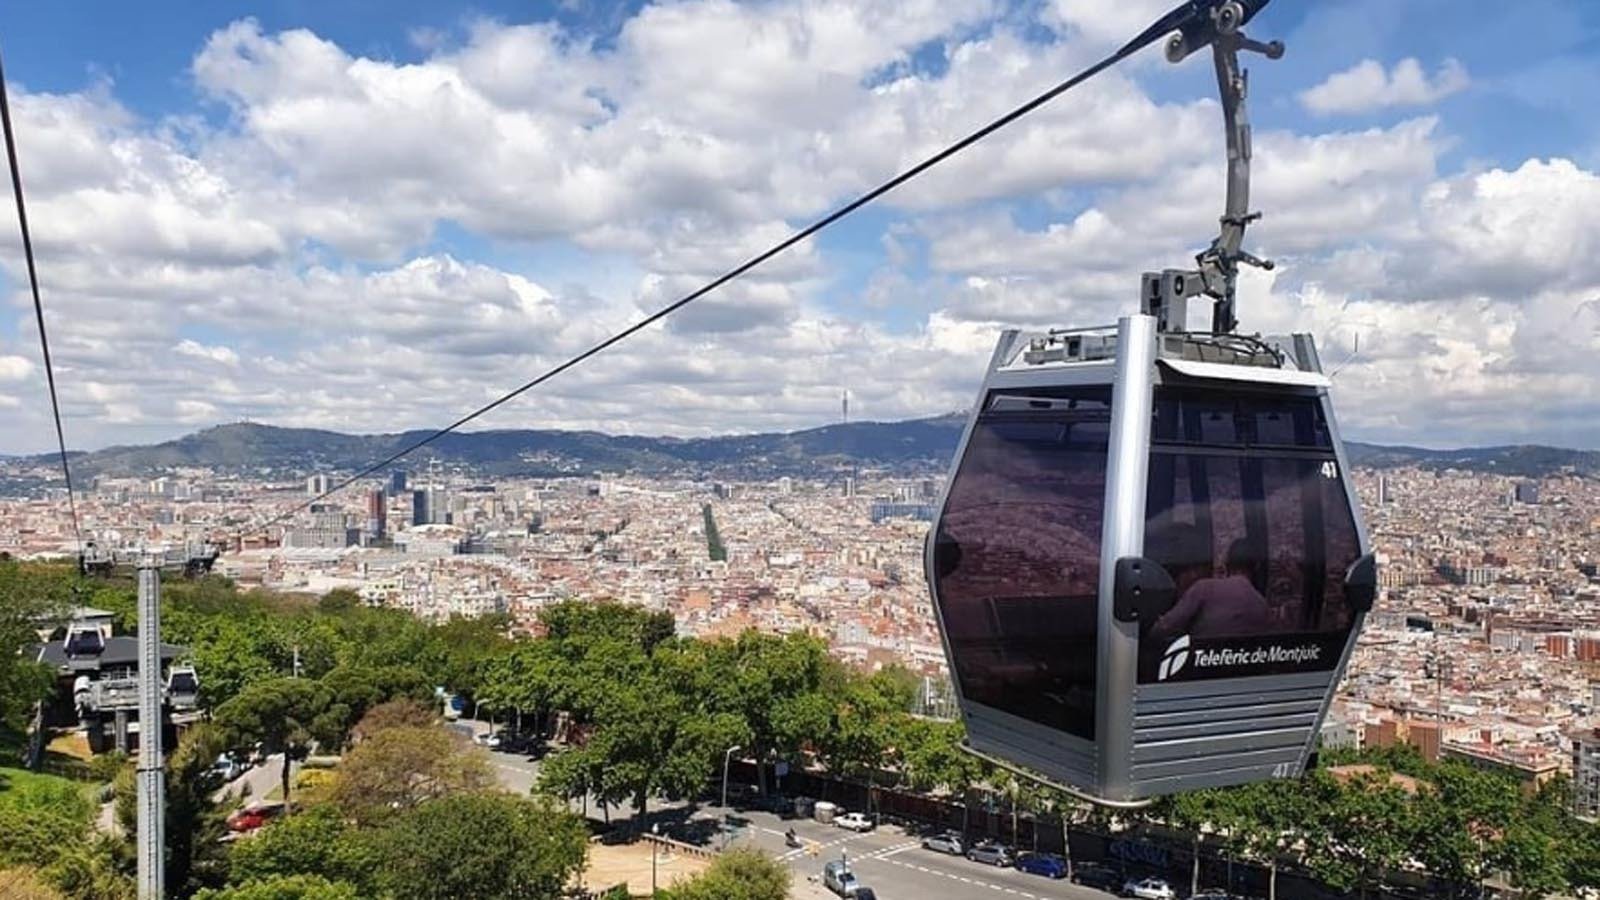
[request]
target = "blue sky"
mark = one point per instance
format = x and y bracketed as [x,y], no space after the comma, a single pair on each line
[370,216]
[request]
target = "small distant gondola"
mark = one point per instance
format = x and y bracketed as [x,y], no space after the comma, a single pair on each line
[1149,567]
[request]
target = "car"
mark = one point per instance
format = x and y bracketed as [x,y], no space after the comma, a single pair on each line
[864,893]
[1212,894]
[991,854]
[837,877]
[1098,876]
[254,816]
[1149,889]
[949,842]
[1047,864]
[854,821]
[227,768]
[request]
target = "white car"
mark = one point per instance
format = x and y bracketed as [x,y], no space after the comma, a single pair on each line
[1149,889]
[854,821]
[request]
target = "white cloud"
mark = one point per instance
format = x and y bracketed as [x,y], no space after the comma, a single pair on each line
[1367,87]
[586,183]
[196,350]
[15,368]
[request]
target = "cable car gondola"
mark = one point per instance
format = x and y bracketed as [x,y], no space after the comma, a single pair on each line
[183,688]
[1149,566]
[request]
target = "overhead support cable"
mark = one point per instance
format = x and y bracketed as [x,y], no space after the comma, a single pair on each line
[38,305]
[1150,35]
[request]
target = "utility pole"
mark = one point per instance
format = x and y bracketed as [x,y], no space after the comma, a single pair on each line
[151,778]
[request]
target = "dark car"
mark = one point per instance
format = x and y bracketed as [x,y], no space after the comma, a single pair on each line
[1094,875]
[1047,864]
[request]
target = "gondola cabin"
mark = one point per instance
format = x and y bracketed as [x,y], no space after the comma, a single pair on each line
[1149,567]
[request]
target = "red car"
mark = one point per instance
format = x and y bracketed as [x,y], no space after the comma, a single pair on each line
[254,816]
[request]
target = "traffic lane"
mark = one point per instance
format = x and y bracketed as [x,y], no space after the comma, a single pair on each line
[516,772]
[925,873]
[894,863]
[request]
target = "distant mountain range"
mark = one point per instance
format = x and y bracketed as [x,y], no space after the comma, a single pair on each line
[917,445]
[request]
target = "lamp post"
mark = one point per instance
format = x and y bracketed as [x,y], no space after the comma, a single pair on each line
[727,824]
[726,759]
[655,831]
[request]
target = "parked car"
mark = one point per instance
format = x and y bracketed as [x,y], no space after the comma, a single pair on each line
[992,854]
[254,816]
[854,821]
[864,893]
[1213,894]
[227,768]
[1047,864]
[1098,876]
[1149,889]
[949,842]
[837,877]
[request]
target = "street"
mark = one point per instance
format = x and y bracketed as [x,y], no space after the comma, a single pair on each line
[887,859]
[891,862]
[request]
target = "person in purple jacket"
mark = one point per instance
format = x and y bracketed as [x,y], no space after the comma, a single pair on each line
[1219,606]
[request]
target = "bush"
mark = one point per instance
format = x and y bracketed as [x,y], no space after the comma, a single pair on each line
[292,887]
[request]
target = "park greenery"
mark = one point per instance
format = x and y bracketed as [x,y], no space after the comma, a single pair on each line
[640,712]
[714,547]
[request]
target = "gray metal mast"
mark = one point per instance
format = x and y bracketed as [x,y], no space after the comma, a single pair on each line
[1164,294]
[151,777]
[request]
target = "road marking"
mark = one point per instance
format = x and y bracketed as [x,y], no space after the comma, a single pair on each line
[891,851]
[954,877]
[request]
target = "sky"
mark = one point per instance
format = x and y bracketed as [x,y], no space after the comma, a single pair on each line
[374,216]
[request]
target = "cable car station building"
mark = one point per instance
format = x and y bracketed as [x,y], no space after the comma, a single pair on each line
[97,681]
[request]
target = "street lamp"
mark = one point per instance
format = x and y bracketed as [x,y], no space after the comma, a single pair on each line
[727,758]
[655,831]
[727,823]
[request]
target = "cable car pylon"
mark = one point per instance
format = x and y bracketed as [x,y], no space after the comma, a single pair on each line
[1149,566]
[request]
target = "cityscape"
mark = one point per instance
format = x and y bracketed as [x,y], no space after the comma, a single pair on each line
[1482,645]
[800,450]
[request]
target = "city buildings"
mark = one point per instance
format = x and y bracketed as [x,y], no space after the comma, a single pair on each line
[1483,646]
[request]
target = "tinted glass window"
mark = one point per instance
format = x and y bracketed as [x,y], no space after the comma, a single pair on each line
[1257,532]
[1017,557]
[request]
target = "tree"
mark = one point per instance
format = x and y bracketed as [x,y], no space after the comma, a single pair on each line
[784,688]
[399,768]
[859,740]
[1360,830]
[316,842]
[353,690]
[738,874]
[1261,821]
[485,846]
[280,713]
[1194,812]
[403,713]
[194,819]
[291,887]
[1533,861]
[933,759]
[1465,812]
[29,594]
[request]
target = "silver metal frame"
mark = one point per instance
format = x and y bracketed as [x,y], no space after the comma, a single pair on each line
[1122,534]
[1153,739]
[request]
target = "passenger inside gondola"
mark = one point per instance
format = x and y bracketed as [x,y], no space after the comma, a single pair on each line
[1221,605]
